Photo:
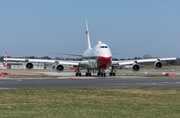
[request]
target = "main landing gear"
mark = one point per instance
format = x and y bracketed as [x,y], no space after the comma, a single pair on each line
[112,73]
[78,72]
[101,73]
[88,73]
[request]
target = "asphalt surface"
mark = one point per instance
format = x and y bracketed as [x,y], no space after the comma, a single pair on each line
[68,80]
[86,82]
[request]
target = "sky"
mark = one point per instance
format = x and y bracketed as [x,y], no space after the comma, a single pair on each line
[131,27]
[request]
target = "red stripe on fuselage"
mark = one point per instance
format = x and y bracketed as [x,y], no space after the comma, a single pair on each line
[104,62]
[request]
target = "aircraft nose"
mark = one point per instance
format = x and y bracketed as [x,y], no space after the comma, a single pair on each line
[104,62]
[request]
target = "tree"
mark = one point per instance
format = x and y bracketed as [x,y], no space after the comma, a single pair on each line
[1,58]
[57,58]
[31,57]
[147,56]
[46,57]
[115,59]
[171,62]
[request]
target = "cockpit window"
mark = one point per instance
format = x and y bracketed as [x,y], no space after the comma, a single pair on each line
[103,47]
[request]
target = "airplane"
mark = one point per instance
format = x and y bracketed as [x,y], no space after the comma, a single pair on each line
[97,58]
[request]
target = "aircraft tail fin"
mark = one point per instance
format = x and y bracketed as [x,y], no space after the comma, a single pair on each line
[87,33]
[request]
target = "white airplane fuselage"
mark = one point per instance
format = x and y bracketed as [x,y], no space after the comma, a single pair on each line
[99,57]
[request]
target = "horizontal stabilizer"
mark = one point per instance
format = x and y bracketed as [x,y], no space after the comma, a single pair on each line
[77,55]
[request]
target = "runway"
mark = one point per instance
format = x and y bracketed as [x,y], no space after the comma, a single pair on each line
[69,80]
[86,82]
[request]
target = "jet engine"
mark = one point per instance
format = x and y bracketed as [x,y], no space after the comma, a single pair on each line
[29,66]
[59,68]
[135,67]
[158,64]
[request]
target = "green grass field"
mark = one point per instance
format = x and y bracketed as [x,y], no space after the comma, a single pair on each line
[27,75]
[148,75]
[91,103]
[164,68]
[30,74]
[152,68]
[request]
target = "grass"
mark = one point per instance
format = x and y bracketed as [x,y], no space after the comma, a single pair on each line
[35,70]
[152,68]
[30,74]
[148,75]
[164,68]
[27,75]
[98,102]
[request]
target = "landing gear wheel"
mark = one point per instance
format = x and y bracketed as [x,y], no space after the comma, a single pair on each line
[78,74]
[110,74]
[98,74]
[101,74]
[104,74]
[88,74]
[114,74]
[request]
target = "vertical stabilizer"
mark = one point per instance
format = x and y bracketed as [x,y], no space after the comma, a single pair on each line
[87,33]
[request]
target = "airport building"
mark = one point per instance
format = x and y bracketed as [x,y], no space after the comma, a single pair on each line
[37,65]
[1,64]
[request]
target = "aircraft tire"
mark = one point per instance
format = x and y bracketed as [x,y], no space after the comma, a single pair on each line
[114,74]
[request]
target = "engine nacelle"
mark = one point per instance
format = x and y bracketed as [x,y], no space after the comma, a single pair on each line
[59,68]
[158,65]
[135,67]
[29,66]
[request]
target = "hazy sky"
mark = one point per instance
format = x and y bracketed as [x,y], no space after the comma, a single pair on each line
[132,27]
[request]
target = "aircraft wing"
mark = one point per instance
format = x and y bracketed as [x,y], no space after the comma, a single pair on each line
[66,62]
[129,62]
